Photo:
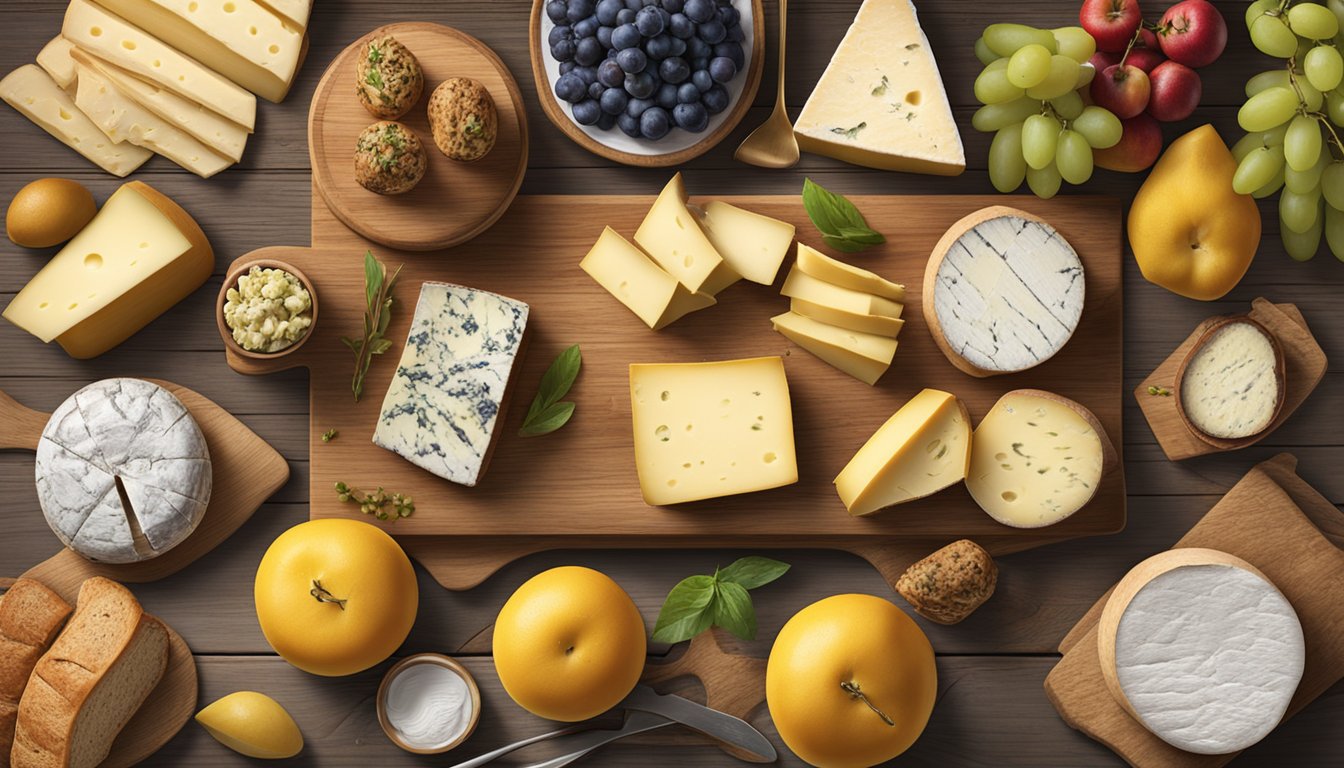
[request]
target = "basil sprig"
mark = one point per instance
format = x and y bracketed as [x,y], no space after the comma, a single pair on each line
[547,413]
[697,603]
[840,223]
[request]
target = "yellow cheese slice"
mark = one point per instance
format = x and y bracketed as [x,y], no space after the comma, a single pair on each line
[55,59]
[672,236]
[754,246]
[294,12]
[823,267]
[923,448]
[880,325]
[139,256]
[800,285]
[642,286]
[865,356]
[37,97]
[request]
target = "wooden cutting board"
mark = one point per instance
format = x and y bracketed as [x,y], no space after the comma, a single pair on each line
[578,487]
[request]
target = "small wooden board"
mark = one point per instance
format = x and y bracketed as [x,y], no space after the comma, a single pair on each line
[1305,367]
[455,201]
[1281,525]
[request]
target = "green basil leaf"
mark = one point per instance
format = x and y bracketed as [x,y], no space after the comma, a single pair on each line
[548,420]
[373,279]
[687,610]
[819,210]
[865,236]
[752,572]
[843,245]
[733,610]
[557,380]
[840,223]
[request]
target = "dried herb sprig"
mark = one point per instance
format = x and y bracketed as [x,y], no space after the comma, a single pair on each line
[378,288]
[377,503]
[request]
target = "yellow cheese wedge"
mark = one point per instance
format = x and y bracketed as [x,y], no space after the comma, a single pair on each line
[704,430]
[819,265]
[627,273]
[880,325]
[139,256]
[55,59]
[800,285]
[672,236]
[754,246]
[923,448]
[865,356]
[37,97]
[240,39]
[293,12]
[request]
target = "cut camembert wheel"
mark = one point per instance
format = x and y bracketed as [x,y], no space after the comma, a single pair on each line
[1231,386]
[1003,292]
[1200,648]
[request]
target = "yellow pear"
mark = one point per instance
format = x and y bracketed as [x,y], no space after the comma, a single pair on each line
[252,724]
[1191,233]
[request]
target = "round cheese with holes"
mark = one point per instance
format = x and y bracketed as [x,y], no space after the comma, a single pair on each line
[123,472]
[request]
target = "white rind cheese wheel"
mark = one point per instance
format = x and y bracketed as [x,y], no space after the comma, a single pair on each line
[1200,647]
[123,472]
[1231,386]
[1003,292]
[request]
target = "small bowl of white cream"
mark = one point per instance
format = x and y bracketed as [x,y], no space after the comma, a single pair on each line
[428,704]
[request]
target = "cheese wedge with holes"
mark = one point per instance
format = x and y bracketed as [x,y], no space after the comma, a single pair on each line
[819,265]
[876,324]
[37,97]
[881,102]
[111,38]
[800,285]
[643,287]
[55,59]
[293,12]
[240,39]
[139,256]
[923,448]
[865,356]
[754,246]
[672,237]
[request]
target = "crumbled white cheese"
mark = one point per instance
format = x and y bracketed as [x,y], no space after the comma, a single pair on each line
[268,310]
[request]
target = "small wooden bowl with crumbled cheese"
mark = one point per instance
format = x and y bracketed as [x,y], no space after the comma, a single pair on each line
[266,309]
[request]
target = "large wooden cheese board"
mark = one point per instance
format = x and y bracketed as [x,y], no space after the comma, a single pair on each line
[577,488]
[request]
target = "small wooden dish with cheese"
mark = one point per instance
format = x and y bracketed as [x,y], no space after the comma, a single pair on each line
[226,332]
[1230,388]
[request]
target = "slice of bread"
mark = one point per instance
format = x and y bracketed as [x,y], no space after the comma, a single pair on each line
[91,682]
[30,618]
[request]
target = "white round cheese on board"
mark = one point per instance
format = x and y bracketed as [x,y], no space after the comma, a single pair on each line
[1003,292]
[1232,384]
[123,471]
[1200,647]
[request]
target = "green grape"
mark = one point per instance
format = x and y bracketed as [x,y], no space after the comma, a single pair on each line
[1101,128]
[1298,212]
[1311,95]
[1334,107]
[1324,67]
[1040,139]
[1266,109]
[1312,21]
[1334,231]
[1069,106]
[1007,168]
[1308,180]
[1265,80]
[1271,36]
[1274,185]
[992,86]
[1029,65]
[1302,143]
[1336,7]
[1005,39]
[1044,182]
[1244,146]
[1086,73]
[1332,184]
[983,53]
[1302,246]
[1075,43]
[1257,169]
[1063,77]
[1260,8]
[1274,136]
[996,117]
[1073,157]
[1303,47]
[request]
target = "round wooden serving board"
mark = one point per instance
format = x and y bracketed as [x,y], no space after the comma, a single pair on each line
[455,201]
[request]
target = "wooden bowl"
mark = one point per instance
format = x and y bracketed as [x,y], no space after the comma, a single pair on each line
[1280,370]
[678,146]
[443,661]
[231,280]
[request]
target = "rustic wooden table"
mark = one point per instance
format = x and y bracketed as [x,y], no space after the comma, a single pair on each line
[991,707]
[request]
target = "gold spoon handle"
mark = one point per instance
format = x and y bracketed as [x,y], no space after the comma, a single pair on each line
[783,35]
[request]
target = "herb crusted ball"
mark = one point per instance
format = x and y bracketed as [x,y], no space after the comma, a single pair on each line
[388,78]
[463,118]
[389,158]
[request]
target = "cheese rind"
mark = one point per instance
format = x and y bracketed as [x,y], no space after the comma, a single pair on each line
[754,246]
[443,409]
[704,430]
[923,448]
[800,285]
[37,97]
[54,58]
[643,287]
[881,102]
[865,356]
[672,237]
[880,325]
[819,265]
[1231,386]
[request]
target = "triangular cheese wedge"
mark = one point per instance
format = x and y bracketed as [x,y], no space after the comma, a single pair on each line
[865,356]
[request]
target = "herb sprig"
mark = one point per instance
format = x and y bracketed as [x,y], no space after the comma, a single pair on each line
[547,413]
[377,503]
[378,288]
[840,223]
[722,600]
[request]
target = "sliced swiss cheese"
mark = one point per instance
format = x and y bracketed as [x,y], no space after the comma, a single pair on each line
[923,448]
[819,265]
[113,39]
[881,103]
[754,246]
[800,285]
[672,236]
[37,97]
[240,39]
[865,356]
[1232,385]
[295,12]
[55,59]
[643,287]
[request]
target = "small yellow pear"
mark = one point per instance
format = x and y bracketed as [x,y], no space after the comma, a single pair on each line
[252,724]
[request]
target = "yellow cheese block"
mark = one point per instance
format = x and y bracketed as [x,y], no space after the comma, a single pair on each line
[865,356]
[240,39]
[139,256]
[923,448]
[704,430]
[642,286]
[672,236]
[800,285]
[880,325]
[293,12]
[754,246]
[819,265]
[55,59]
[881,102]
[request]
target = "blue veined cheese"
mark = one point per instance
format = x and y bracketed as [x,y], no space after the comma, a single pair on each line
[1231,387]
[442,409]
[881,102]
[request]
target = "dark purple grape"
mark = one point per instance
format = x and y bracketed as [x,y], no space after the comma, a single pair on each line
[570,88]
[655,123]
[666,96]
[698,49]
[732,51]
[586,112]
[639,85]
[659,47]
[649,22]
[687,93]
[596,90]
[563,50]
[567,66]
[606,121]
[678,47]
[585,27]
[557,11]
[589,52]
[632,60]
[625,16]
[722,69]
[580,9]
[700,63]
[610,74]
[613,101]
[604,37]
[703,82]
[715,99]
[559,32]
[674,70]
[735,35]
[607,10]
[711,32]
[634,5]
[625,36]
[691,117]
[628,125]
[673,6]
[680,26]
[728,16]
[636,107]
[698,11]
[587,74]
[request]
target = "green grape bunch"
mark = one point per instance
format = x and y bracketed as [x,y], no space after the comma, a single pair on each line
[1293,117]
[1044,132]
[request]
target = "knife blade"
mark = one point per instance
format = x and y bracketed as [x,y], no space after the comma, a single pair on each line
[711,722]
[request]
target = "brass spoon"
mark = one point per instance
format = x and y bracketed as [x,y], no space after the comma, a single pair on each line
[773,145]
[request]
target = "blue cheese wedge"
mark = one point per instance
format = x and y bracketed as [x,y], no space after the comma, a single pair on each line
[881,102]
[443,408]
[1231,387]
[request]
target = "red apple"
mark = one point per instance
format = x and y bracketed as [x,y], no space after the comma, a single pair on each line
[1103,59]
[1147,38]
[1139,146]
[1193,33]
[1176,89]
[1110,22]
[1121,88]
[1145,58]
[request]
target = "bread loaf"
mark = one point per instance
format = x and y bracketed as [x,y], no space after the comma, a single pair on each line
[93,679]
[948,585]
[30,618]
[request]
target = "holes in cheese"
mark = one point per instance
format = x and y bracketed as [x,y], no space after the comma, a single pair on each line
[626,272]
